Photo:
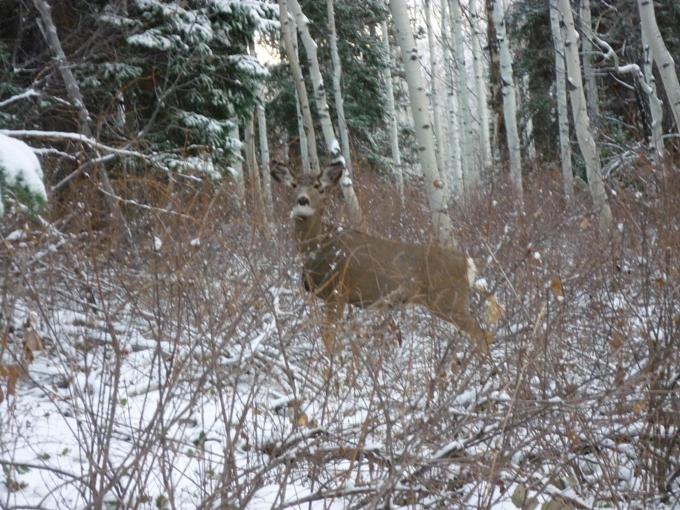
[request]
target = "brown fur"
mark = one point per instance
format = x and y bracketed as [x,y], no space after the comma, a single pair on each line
[346,266]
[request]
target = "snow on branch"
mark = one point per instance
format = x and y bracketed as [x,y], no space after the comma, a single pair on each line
[76,137]
[24,95]
[20,171]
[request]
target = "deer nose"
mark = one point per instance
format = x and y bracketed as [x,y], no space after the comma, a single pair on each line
[303,201]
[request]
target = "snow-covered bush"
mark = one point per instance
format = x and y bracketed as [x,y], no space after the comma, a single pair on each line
[20,173]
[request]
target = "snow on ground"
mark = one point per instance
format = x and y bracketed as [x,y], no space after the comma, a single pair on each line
[209,388]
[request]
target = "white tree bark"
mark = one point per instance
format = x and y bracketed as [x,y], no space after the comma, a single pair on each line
[647,84]
[470,171]
[301,91]
[254,171]
[264,156]
[480,84]
[454,171]
[562,109]
[662,57]
[237,166]
[423,127]
[655,105]
[588,71]
[579,110]
[433,87]
[330,140]
[528,140]
[509,98]
[302,136]
[337,87]
[392,114]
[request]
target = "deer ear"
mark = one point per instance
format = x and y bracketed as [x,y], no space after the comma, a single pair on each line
[331,174]
[281,173]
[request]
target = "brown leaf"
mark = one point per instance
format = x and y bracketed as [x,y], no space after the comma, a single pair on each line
[494,311]
[616,341]
[302,420]
[12,373]
[557,288]
[584,224]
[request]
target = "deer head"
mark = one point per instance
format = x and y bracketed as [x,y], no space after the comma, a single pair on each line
[310,195]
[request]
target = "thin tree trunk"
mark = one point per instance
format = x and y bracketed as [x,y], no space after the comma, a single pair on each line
[76,98]
[562,109]
[433,87]
[301,90]
[330,140]
[470,170]
[495,100]
[588,71]
[392,114]
[423,127]
[509,98]
[337,88]
[579,110]
[662,57]
[254,172]
[480,86]
[454,171]
[655,105]
[264,157]
[647,86]
[239,178]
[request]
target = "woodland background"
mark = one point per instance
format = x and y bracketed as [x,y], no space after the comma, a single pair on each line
[157,348]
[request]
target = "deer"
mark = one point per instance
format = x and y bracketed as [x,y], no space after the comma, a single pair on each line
[344,266]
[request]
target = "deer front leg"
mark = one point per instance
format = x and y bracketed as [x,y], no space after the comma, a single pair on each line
[333,312]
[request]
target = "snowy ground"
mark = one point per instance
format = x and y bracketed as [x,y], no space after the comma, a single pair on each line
[200,382]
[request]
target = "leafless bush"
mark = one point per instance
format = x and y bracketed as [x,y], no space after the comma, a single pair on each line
[187,371]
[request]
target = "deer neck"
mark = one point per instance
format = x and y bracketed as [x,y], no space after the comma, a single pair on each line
[309,233]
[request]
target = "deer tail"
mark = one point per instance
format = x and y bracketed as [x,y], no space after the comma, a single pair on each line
[494,311]
[471,271]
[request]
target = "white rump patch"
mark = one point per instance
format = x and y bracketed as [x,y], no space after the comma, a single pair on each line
[471,271]
[302,211]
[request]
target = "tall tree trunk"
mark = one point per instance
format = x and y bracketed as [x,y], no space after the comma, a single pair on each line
[470,171]
[662,57]
[433,87]
[454,171]
[655,105]
[480,85]
[579,110]
[562,109]
[330,140]
[423,127]
[239,178]
[337,87]
[76,98]
[300,89]
[495,97]
[588,71]
[392,114]
[264,156]
[509,98]
[302,135]
[254,172]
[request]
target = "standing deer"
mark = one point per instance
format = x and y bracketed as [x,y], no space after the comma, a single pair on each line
[345,266]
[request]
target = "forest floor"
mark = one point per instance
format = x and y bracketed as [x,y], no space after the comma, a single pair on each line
[188,372]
